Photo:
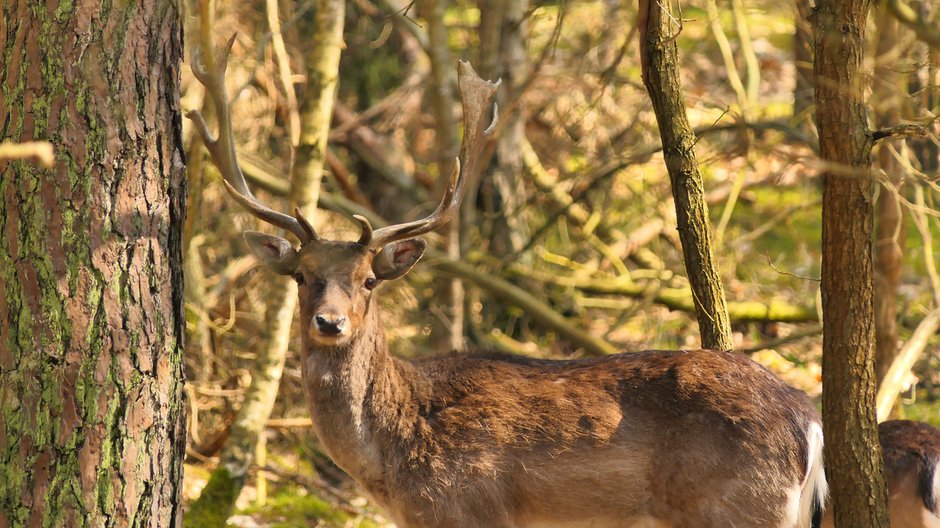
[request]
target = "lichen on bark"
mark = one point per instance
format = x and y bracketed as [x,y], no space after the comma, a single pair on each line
[90,336]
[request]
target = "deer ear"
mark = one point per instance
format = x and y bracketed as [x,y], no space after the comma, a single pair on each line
[275,252]
[397,258]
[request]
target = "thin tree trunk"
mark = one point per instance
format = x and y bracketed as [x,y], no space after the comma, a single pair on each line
[217,501]
[91,313]
[853,454]
[889,261]
[501,187]
[449,323]
[889,232]
[803,57]
[660,61]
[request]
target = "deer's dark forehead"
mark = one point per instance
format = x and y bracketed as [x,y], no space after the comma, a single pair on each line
[327,257]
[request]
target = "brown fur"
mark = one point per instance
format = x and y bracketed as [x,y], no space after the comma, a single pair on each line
[912,460]
[682,439]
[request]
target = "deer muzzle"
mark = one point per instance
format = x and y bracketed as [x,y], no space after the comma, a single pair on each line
[331,325]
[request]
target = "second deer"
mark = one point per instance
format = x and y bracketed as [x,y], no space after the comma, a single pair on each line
[912,471]
[691,439]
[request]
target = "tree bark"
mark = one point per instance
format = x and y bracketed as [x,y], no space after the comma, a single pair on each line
[852,453]
[660,61]
[91,286]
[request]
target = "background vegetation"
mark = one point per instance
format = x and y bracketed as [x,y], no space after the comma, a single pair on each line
[572,224]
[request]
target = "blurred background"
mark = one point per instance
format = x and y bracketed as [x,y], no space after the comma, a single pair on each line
[567,244]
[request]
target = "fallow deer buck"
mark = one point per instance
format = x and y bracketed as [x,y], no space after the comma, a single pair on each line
[691,439]
[912,469]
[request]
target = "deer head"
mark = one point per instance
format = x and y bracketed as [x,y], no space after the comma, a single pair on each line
[337,278]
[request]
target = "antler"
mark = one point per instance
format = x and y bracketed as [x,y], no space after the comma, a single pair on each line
[475,96]
[222,149]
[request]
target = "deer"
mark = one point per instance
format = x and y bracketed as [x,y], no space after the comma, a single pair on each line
[686,438]
[911,452]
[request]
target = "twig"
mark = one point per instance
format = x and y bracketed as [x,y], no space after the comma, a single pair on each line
[41,151]
[904,131]
[782,272]
[283,67]
[796,336]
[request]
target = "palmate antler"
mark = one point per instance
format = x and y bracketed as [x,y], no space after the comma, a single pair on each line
[475,95]
[222,149]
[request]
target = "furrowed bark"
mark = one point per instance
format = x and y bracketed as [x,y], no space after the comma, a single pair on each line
[91,313]
[660,60]
[853,454]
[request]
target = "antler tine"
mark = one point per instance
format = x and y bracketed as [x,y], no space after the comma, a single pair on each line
[366,237]
[305,224]
[475,97]
[222,148]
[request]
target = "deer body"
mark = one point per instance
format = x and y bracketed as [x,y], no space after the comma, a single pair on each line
[675,439]
[495,441]
[652,439]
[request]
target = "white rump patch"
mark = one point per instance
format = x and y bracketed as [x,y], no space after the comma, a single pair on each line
[814,489]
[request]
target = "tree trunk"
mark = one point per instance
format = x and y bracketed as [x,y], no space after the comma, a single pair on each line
[91,312]
[502,188]
[217,501]
[853,455]
[449,322]
[803,58]
[889,232]
[660,61]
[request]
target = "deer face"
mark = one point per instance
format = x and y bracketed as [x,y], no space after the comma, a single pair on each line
[335,279]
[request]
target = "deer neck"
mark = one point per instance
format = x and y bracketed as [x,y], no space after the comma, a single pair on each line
[356,394]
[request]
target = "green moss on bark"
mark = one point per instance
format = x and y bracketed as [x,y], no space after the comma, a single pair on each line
[92,431]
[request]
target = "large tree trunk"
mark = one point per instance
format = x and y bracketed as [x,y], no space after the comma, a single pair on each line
[853,455]
[660,60]
[91,322]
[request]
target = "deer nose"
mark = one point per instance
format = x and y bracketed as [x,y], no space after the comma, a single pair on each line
[330,324]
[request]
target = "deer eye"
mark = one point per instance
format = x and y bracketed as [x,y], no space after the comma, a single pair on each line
[299,277]
[371,283]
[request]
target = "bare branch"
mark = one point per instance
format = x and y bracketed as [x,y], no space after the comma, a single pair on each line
[926,31]
[903,131]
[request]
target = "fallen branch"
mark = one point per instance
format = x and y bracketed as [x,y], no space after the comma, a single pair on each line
[681,299]
[534,308]
[893,382]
